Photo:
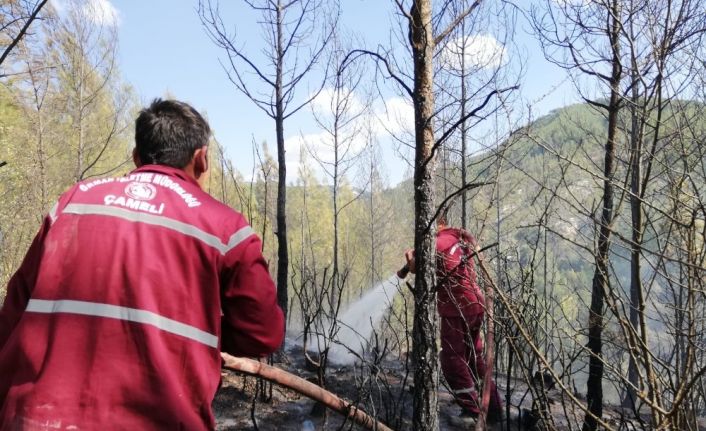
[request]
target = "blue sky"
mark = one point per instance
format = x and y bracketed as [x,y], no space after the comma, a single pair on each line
[164,49]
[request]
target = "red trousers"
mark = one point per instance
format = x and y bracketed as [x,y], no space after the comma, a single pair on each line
[462,360]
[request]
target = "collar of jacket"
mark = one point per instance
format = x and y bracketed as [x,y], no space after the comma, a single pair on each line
[451,231]
[167,170]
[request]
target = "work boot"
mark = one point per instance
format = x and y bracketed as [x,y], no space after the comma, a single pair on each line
[496,416]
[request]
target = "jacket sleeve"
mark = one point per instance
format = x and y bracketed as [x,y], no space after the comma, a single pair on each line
[252,322]
[20,287]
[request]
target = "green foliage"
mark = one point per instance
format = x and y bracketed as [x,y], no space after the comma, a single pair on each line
[67,118]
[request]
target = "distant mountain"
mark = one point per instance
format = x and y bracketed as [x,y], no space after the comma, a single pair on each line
[550,187]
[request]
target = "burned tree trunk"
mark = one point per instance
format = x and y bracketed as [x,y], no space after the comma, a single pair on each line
[594,385]
[282,250]
[289,26]
[425,351]
[636,292]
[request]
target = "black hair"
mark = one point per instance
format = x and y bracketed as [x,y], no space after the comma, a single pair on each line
[443,216]
[169,132]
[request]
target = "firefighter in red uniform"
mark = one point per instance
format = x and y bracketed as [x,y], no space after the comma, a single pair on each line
[461,308]
[116,317]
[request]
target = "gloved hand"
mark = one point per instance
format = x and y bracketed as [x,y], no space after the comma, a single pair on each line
[402,272]
[409,266]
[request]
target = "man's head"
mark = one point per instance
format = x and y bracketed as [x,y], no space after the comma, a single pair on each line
[442,220]
[172,133]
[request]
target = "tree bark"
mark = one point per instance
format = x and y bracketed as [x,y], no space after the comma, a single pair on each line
[282,250]
[637,229]
[594,385]
[424,334]
[464,132]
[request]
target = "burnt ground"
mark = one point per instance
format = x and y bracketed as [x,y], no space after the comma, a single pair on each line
[386,394]
[289,411]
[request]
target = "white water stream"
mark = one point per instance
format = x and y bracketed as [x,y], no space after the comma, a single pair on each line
[359,319]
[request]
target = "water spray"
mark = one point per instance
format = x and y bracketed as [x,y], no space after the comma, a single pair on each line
[357,322]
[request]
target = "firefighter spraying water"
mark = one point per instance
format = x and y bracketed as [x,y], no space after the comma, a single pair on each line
[461,307]
[133,286]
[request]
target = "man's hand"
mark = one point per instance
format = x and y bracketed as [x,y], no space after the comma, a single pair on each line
[411,264]
[402,272]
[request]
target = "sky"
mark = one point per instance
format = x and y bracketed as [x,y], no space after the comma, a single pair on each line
[165,50]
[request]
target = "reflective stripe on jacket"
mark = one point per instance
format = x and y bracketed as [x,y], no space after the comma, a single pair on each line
[116,316]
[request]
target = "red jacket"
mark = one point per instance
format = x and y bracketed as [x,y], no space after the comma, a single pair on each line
[115,318]
[457,287]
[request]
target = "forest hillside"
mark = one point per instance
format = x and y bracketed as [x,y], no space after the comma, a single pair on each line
[591,219]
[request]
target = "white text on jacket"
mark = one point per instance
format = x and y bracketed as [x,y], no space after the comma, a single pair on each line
[133,204]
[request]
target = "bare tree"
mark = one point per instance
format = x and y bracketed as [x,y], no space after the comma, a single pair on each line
[296,35]
[41,89]
[428,27]
[340,115]
[16,16]
[656,38]
[379,210]
[602,60]
[424,333]
[626,47]
[15,19]
[472,63]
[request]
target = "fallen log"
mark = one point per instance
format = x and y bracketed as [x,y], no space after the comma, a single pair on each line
[283,378]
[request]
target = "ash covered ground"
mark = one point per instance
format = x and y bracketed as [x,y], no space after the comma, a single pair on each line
[386,394]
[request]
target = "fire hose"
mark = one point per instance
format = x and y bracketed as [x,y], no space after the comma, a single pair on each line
[308,389]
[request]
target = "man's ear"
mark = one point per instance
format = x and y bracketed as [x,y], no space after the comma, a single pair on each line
[136,158]
[200,161]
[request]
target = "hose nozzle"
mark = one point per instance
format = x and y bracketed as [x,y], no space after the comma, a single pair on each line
[403,272]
